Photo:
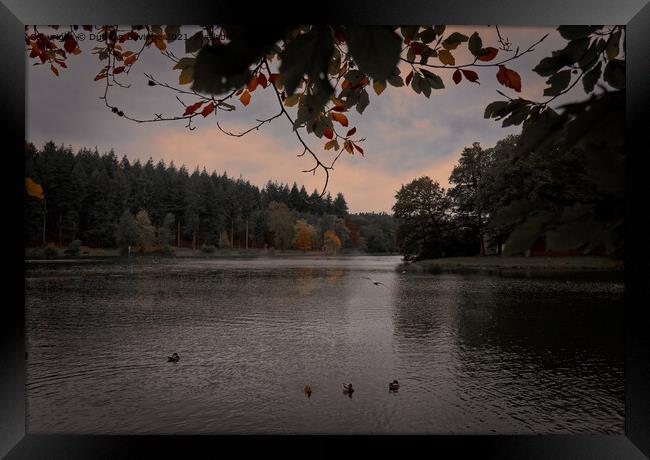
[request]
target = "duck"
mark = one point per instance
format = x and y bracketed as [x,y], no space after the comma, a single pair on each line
[174,358]
[307,391]
[347,389]
[393,386]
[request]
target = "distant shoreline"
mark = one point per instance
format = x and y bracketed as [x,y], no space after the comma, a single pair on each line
[512,264]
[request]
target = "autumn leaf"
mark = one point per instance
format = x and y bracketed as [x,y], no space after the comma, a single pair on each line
[245,98]
[340,118]
[379,87]
[117,70]
[76,51]
[446,57]
[130,59]
[292,100]
[470,75]
[261,79]
[328,133]
[69,43]
[351,132]
[274,77]
[160,43]
[331,144]
[190,109]
[347,145]
[100,76]
[509,78]
[457,76]
[34,188]
[54,69]
[186,76]
[487,54]
[252,83]
[208,109]
[409,77]
[358,148]
[339,108]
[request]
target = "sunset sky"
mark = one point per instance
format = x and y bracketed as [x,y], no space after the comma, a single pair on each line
[408,135]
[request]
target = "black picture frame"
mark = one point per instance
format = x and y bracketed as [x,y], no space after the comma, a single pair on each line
[14,14]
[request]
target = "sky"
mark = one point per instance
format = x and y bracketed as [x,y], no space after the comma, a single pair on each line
[407,135]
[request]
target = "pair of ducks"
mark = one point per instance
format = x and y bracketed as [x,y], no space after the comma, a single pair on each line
[348,389]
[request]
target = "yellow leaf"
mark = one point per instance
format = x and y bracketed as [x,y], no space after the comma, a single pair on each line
[160,43]
[332,144]
[34,188]
[292,100]
[245,98]
[379,87]
[446,57]
[186,76]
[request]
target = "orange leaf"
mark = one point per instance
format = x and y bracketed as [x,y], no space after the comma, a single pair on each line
[76,51]
[208,109]
[34,188]
[457,76]
[408,78]
[487,54]
[252,83]
[130,59]
[351,132]
[470,75]
[340,118]
[328,133]
[274,77]
[56,72]
[509,78]
[446,57]
[190,109]
[160,43]
[100,76]
[245,98]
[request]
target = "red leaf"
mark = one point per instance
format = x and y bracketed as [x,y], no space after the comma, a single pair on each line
[339,35]
[351,132]
[509,78]
[245,98]
[470,75]
[239,92]
[417,47]
[190,109]
[457,77]
[56,72]
[339,108]
[487,54]
[261,79]
[100,76]
[358,148]
[252,83]
[409,77]
[328,133]
[274,77]
[117,70]
[208,109]
[69,43]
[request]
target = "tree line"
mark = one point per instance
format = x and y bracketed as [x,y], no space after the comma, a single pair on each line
[101,201]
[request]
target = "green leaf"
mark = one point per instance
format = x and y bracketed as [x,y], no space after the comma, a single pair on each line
[590,79]
[548,66]
[415,83]
[375,49]
[558,82]
[452,41]
[475,44]
[613,46]
[615,73]
[396,81]
[495,109]
[575,32]
[434,80]
[172,33]
[425,86]
[363,102]
[427,35]
[194,43]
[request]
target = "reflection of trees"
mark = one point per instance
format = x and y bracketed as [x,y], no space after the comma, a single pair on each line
[540,316]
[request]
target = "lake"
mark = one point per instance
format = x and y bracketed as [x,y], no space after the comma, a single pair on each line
[474,353]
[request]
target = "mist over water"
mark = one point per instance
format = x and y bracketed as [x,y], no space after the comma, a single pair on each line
[474,353]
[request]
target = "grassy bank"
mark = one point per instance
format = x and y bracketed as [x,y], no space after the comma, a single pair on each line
[533,264]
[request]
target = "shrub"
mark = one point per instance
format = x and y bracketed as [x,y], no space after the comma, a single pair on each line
[73,248]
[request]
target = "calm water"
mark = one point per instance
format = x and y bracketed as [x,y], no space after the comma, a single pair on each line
[473,353]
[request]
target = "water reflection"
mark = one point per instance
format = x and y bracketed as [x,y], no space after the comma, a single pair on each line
[472,353]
